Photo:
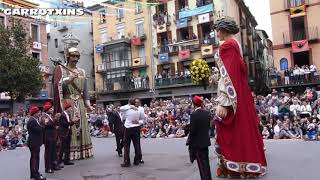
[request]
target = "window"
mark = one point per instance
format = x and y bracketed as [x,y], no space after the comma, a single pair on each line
[35,33]
[103,16]
[138,8]
[56,43]
[120,31]
[120,12]
[139,28]
[117,57]
[185,34]
[103,35]
[142,55]
[36,55]
[2,21]
[295,3]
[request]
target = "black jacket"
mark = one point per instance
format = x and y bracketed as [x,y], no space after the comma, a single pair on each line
[115,123]
[199,129]
[50,133]
[35,132]
[64,125]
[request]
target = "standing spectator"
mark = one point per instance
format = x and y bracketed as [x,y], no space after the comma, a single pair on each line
[307,73]
[313,72]
[301,75]
[296,74]
[286,77]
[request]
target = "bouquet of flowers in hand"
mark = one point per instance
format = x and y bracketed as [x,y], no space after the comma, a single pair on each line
[200,71]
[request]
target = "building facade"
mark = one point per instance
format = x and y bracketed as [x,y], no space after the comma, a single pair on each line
[183,32]
[79,28]
[296,40]
[38,50]
[122,55]
[265,59]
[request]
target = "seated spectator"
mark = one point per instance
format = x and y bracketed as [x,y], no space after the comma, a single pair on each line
[312,132]
[285,133]
[295,107]
[277,129]
[265,133]
[305,109]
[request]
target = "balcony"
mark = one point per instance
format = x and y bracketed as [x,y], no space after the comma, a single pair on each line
[173,82]
[44,69]
[132,85]
[279,82]
[162,19]
[313,33]
[297,35]
[289,3]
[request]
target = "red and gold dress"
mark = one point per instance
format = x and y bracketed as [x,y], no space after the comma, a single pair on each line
[239,143]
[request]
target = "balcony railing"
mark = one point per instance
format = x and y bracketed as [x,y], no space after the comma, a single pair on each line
[275,81]
[162,82]
[297,35]
[294,3]
[313,33]
[135,84]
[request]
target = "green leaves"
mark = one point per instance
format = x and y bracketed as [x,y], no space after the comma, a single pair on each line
[19,71]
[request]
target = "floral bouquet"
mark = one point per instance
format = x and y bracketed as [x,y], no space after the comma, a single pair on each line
[200,72]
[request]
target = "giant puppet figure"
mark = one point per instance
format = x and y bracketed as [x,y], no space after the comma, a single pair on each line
[70,84]
[239,143]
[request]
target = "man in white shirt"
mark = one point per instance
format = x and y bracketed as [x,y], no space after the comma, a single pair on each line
[133,117]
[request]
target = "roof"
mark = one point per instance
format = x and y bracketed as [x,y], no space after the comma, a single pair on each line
[263,32]
[247,11]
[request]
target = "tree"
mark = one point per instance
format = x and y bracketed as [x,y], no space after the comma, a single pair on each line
[20,75]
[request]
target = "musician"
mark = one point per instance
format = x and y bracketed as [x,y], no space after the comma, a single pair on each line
[65,123]
[117,128]
[35,140]
[199,139]
[50,138]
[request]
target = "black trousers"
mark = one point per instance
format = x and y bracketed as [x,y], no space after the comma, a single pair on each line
[202,157]
[65,149]
[132,134]
[50,154]
[119,140]
[34,161]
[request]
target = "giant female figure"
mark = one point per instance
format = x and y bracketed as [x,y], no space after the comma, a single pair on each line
[240,147]
[70,84]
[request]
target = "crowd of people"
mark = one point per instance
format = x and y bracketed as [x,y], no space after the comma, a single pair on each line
[294,75]
[289,115]
[282,116]
[13,132]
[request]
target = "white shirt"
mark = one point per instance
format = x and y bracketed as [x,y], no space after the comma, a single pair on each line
[276,130]
[274,110]
[131,115]
[67,115]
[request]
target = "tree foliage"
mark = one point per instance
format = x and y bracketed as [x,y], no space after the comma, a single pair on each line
[20,75]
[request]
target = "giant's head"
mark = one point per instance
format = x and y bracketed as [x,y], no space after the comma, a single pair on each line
[226,26]
[73,55]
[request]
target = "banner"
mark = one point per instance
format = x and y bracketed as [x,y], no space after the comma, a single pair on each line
[300,46]
[182,23]
[136,41]
[184,54]
[196,11]
[204,18]
[164,57]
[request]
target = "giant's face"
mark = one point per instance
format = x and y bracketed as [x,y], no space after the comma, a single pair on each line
[74,57]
